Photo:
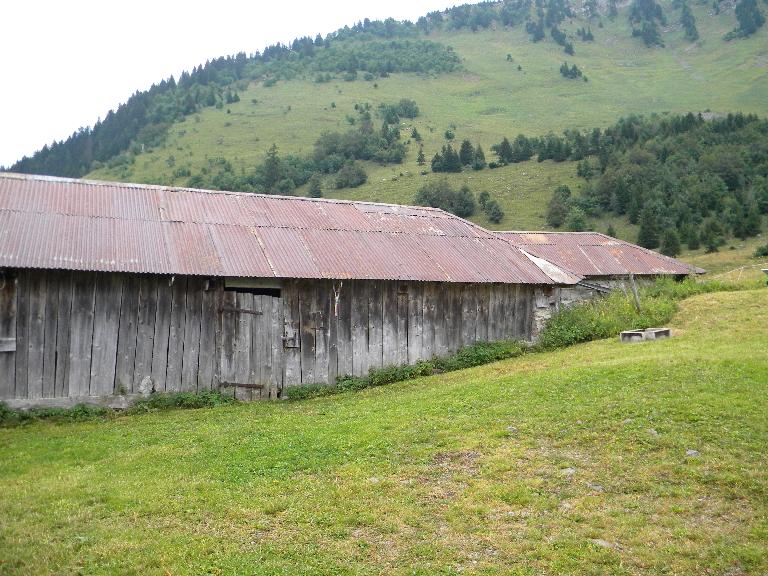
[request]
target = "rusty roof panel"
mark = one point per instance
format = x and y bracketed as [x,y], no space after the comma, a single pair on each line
[595,254]
[288,255]
[85,225]
[240,251]
[338,253]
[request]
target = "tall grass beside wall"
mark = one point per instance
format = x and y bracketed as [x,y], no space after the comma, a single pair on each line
[606,317]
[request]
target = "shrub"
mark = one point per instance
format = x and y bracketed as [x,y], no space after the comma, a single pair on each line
[608,316]
[78,413]
[167,401]
[467,357]
[351,175]
[391,374]
[669,288]
[761,251]
[493,211]
[480,353]
[85,412]
[602,319]
[440,194]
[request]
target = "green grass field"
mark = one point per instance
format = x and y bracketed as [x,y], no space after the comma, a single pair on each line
[488,100]
[571,462]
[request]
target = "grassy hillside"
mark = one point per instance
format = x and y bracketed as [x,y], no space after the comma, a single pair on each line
[491,98]
[573,462]
[735,261]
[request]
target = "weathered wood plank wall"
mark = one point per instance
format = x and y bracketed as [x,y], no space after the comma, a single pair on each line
[77,334]
[375,324]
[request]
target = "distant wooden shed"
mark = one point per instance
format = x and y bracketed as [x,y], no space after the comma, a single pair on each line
[603,262]
[109,290]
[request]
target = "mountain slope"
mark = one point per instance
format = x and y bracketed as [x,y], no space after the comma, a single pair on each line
[488,99]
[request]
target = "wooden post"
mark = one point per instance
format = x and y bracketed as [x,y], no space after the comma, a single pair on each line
[634,291]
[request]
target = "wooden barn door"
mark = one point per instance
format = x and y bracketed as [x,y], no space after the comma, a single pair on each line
[250,360]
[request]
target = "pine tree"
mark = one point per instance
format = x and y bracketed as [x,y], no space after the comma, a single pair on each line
[750,18]
[478,162]
[420,159]
[689,23]
[466,153]
[611,231]
[591,9]
[648,236]
[272,168]
[670,243]
[558,208]
[503,150]
[522,149]
[693,239]
[415,134]
[749,223]
[577,220]
[315,191]
[437,163]
[451,161]
[711,236]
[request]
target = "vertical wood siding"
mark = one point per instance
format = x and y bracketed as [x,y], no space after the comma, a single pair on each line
[73,334]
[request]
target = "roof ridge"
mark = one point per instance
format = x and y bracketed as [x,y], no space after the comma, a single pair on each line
[248,226]
[551,232]
[140,186]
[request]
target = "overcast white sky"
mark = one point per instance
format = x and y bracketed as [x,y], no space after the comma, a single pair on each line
[67,63]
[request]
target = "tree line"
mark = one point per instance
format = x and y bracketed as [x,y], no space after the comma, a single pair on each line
[378,47]
[682,179]
[336,155]
[143,121]
[460,201]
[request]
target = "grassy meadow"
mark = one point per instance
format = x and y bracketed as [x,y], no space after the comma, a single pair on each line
[487,100]
[600,458]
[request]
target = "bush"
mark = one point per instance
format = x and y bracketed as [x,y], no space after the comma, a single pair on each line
[493,211]
[467,357]
[672,289]
[391,374]
[188,400]
[351,175]
[78,413]
[440,194]
[602,319]
[761,251]
[608,316]
[85,412]
[479,354]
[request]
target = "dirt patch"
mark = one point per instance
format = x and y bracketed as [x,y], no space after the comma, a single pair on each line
[457,461]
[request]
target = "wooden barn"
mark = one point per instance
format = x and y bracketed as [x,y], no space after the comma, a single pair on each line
[603,262]
[109,290]
[597,257]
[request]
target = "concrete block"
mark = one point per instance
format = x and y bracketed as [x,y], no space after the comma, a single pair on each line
[647,334]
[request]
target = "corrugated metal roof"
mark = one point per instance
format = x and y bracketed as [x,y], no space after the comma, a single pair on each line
[595,254]
[63,223]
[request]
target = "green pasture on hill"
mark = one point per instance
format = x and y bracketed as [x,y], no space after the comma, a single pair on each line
[600,458]
[489,99]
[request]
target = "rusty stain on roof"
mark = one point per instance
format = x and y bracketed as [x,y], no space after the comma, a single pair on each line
[596,254]
[62,223]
